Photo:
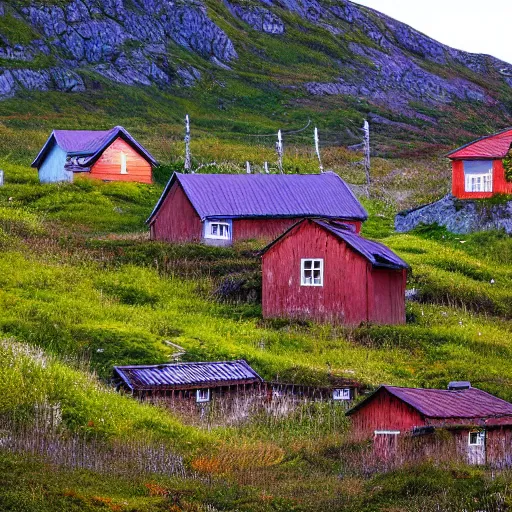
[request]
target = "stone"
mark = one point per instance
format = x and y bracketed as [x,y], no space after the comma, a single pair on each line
[7,84]
[458,216]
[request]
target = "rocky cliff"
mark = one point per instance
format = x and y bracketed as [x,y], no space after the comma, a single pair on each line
[317,48]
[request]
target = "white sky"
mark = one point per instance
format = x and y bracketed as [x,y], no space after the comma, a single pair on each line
[472,25]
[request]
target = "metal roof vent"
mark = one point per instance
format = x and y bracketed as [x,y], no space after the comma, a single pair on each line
[458,385]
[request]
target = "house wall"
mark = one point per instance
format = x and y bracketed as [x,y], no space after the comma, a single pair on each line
[52,168]
[386,292]
[108,166]
[352,292]
[176,220]
[383,412]
[500,184]
[268,229]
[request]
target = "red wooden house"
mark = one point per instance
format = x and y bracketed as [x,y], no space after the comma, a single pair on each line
[406,424]
[325,271]
[112,155]
[477,167]
[220,209]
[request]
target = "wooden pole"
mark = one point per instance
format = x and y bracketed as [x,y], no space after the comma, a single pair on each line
[366,129]
[317,149]
[248,167]
[279,150]
[188,164]
[265,165]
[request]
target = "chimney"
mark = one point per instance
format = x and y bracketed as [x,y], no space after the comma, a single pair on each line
[458,385]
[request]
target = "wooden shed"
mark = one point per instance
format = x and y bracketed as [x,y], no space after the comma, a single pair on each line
[406,423]
[185,386]
[219,209]
[477,167]
[323,270]
[111,155]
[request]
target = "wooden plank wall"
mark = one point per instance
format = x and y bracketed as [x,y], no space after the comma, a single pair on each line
[176,220]
[108,166]
[348,296]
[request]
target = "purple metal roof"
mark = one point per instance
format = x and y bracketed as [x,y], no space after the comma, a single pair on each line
[168,376]
[376,253]
[88,144]
[443,403]
[262,195]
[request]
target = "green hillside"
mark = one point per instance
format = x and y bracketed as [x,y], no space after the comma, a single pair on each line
[83,289]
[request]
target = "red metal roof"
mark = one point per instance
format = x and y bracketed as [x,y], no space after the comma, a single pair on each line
[491,146]
[444,403]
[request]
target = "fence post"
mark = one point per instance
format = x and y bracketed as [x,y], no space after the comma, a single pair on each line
[1,178]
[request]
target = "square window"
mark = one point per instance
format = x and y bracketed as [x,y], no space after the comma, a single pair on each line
[477,438]
[478,175]
[312,272]
[202,395]
[218,229]
[341,394]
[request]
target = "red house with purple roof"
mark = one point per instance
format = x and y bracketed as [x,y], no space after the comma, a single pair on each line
[324,270]
[477,167]
[220,209]
[404,424]
[110,155]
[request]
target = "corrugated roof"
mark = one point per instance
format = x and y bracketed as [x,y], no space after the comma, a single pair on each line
[262,195]
[88,144]
[469,403]
[491,146]
[168,376]
[376,253]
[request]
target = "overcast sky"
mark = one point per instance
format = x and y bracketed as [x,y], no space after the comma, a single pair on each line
[470,25]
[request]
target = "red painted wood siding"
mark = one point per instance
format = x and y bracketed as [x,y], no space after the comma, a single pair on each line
[499,184]
[267,229]
[353,292]
[177,221]
[108,166]
[383,412]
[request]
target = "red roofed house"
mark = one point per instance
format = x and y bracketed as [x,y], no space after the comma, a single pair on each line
[406,423]
[323,270]
[111,155]
[478,171]
[219,209]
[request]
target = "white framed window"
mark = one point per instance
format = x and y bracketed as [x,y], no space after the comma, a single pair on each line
[124,169]
[312,272]
[202,395]
[478,175]
[218,229]
[341,394]
[476,438]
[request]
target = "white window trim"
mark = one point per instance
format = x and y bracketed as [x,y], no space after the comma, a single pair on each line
[341,394]
[200,399]
[387,432]
[486,177]
[302,265]
[480,439]
[208,228]
[124,169]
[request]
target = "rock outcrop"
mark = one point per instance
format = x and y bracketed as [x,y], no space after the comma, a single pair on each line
[129,42]
[459,216]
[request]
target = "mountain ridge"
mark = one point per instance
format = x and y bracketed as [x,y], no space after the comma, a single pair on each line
[302,50]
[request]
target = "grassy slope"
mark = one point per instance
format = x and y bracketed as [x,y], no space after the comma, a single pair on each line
[82,293]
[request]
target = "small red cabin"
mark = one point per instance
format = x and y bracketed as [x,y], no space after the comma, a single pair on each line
[477,167]
[111,155]
[325,271]
[220,209]
[405,424]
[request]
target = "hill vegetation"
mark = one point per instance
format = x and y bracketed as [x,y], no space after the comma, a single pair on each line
[83,289]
